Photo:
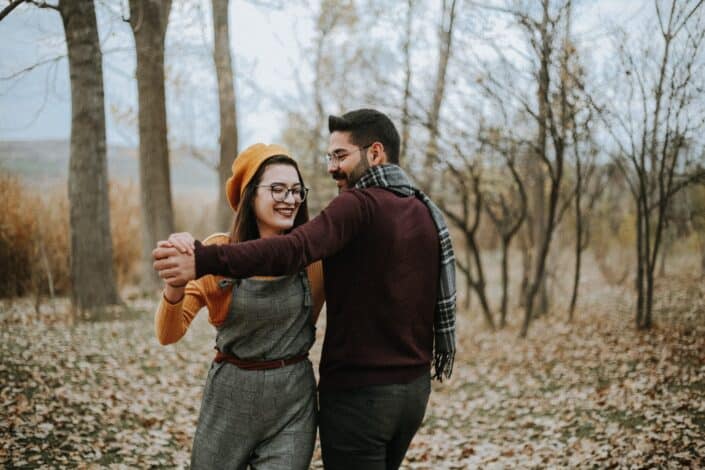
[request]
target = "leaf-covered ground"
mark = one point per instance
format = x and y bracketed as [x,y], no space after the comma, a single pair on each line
[596,393]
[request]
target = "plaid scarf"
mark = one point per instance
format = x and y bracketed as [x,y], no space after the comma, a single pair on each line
[393,178]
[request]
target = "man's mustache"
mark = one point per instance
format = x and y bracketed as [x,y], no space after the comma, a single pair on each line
[338,175]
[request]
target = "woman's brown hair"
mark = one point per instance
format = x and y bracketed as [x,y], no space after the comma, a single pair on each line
[245,223]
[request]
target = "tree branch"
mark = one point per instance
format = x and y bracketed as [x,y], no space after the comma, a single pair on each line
[8,9]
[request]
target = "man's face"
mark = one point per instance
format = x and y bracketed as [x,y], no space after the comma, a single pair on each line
[347,162]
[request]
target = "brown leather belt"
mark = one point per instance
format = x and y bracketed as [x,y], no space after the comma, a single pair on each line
[257,365]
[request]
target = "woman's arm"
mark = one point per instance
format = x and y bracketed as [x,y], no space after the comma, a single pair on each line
[173,318]
[179,305]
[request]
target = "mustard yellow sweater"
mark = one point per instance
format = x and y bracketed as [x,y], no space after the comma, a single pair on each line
[173,319]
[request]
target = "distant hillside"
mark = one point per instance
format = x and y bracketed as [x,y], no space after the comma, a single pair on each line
[48,161]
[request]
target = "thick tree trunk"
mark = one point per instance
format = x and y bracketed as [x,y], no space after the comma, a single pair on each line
[228,110]
[92,278]
[148,19]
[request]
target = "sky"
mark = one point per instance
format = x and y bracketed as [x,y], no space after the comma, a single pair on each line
[268,44]
[36,104]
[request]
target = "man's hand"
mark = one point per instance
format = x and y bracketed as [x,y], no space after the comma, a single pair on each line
[174,266]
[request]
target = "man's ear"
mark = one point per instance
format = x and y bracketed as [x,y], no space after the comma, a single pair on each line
[379,156]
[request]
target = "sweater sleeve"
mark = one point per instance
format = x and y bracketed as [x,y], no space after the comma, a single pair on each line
[319,238]
[315,277]
[172,320]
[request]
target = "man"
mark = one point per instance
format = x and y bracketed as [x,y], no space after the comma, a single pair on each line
[390,293]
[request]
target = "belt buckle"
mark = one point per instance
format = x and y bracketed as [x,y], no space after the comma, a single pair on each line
[283,363]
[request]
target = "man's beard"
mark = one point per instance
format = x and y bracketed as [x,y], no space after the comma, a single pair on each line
[355,174]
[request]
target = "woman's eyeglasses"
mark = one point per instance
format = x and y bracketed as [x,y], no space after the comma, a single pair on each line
[280,192]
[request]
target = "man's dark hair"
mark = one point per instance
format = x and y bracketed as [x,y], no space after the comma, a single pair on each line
[367,126]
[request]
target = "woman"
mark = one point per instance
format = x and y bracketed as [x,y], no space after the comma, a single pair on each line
[259,404]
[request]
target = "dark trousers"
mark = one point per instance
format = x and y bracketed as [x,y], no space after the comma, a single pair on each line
[371,427]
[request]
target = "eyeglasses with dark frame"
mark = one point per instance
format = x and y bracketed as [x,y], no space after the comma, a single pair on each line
[280,192]
[337,159]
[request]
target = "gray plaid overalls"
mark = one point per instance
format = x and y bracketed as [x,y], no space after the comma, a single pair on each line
[262,418]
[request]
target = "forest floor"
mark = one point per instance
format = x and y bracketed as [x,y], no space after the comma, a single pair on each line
[593,393]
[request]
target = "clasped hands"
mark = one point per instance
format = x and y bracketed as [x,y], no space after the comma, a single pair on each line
[174,260]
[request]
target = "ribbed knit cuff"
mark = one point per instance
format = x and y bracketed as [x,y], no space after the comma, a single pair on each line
[173,305]
[207,260]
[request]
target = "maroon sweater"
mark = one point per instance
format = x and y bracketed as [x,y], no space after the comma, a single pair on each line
[381,259]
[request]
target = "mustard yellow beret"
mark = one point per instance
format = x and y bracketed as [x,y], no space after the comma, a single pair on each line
[245,166]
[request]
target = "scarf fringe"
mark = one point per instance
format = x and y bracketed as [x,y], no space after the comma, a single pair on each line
[443,365]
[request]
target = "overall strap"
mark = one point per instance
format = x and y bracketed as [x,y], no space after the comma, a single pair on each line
[308,298]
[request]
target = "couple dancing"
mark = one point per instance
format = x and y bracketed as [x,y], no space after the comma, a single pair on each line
[379,255]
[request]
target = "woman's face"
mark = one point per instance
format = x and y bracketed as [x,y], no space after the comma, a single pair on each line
[274,217]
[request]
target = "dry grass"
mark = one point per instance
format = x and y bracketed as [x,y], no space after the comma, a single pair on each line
[34,237]
[34,233]
[19,225]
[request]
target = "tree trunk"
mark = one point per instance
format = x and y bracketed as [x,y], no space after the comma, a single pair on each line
[541,231]
[526,262]
[668,239]
[648,311]
[148,19]
[639,269]
[228,110]
[92,278]
[578,241]
[505,282]
[468,281]
[445,39]
[538,193]
[405,118]
[540,271]
[480,285]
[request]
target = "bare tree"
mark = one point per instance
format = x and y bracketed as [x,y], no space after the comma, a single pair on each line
[507,210]
[93,286]
[227,106]
[92,279]
[548,112]
[148,19]
[654,126]
[445,38]
[550,128]
[405,113]
[466,182]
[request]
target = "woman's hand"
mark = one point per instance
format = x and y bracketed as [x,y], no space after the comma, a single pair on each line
[182,241]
